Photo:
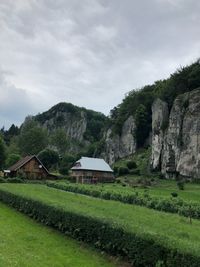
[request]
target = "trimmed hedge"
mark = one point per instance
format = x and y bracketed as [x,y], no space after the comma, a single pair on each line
[173,205]
[141,249]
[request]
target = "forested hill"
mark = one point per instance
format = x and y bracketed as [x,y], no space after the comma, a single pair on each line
[72,131]
[138,103]
[66,115]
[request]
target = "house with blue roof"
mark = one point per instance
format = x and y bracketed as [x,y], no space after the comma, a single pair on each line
[92,170]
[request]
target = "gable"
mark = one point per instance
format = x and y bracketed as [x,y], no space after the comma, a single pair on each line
[29,162]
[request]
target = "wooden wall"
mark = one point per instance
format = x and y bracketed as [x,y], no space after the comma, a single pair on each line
[84,176]
[32,170]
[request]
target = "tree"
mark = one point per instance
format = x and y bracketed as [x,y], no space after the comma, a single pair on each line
[13,147]
[141,120]
[11,132]
[12,159]
[60,141]
[67,161]
[131,164]
[48,157]
[33,138]
[2,153]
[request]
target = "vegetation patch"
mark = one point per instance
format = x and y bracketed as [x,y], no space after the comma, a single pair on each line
[173,205]
[145,236]
[27,243]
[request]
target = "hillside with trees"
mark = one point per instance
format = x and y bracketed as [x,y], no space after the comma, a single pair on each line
[70,131]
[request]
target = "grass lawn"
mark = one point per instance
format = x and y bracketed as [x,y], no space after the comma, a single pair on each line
[171,230]
[23,242]
[164,188]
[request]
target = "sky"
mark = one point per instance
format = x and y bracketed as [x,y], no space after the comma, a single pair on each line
[89,52]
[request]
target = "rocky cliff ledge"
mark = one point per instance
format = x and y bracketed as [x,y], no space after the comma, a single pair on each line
[120,146]
[176,136]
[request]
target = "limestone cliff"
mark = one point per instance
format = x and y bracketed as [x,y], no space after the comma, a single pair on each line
[120,146]
[75,125]
[176,147]
[81,126]
[159,121]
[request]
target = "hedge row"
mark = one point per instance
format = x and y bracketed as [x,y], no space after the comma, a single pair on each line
[140,250]
[173,205]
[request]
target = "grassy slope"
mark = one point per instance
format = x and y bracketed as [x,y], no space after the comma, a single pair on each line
[24,242]
[172,230]
[141,158]
[164,188]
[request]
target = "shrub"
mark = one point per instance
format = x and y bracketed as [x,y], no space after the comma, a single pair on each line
[123,170]
[181,185]
[2,180]
[161,176]
[64,171]
[135,172]
[131,164]
[115,169]
[168,205]
[174,194]
[14,180]
[48,157]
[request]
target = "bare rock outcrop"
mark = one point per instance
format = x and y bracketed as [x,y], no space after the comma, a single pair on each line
[177,149]
[160,115]
[120,146]
[74,126]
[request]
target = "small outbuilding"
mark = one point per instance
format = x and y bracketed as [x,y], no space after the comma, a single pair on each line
[92,170]
[29,167]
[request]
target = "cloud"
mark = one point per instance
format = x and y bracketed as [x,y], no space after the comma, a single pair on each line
[91,53]
[15,103]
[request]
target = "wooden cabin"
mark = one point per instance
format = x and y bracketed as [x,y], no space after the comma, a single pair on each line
[29,167]
[92,170]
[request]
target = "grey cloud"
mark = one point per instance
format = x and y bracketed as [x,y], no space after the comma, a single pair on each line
[15,104]
[91,53]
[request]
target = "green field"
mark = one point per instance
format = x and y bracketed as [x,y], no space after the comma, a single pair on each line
[161,189]
[23,242]
[170,230]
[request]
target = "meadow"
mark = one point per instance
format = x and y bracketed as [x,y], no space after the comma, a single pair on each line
[160,188]
[24,242]
[171,230]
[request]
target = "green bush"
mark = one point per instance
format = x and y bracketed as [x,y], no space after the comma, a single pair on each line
[131,165]
[123,170]
[174,194]
[174,205]
[141,250]
[14,180]
[135,172]
[2,180]
[181,185]
[64,171]
[48,157]
[116,170]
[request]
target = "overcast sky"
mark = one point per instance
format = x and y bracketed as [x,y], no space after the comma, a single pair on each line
[89,52]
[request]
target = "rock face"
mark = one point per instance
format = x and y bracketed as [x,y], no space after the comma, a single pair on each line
[79,127]
[176,149]
[116,146]
[160,115]
[74,126]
